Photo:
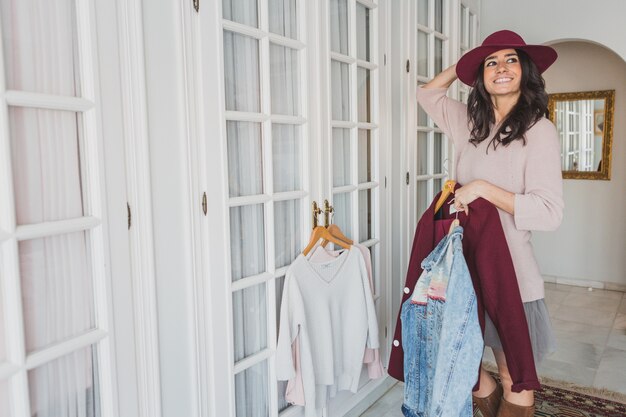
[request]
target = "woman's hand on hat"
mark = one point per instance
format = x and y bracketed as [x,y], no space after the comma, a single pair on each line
[444,79]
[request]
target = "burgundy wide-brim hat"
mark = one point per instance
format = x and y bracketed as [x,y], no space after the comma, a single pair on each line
[467,67]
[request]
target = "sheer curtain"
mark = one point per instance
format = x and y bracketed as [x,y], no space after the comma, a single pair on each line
[248,233]
[55,272]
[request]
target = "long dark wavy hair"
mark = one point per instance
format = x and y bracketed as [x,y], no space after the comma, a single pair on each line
[531,106]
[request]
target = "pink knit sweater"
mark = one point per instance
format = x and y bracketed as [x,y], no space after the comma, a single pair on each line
[532,172]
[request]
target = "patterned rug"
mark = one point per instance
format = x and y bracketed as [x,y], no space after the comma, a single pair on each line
[559,399]
[552,401]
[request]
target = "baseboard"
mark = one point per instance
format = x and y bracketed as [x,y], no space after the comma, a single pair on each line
[587,283]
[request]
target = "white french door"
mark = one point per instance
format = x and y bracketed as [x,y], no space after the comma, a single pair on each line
[57,346]
[296,120]
[440,31]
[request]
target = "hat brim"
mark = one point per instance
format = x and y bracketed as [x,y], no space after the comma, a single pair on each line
[467,67]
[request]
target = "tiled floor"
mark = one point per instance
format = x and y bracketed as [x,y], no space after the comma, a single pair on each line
[590,327]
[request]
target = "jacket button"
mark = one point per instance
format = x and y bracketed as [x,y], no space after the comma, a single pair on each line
[407,290]
[396,343]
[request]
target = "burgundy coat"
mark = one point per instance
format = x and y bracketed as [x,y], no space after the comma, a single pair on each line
[495,283]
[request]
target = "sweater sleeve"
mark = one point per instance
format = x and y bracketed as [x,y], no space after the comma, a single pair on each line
[289,327]
[540,207]
[450,115]
[372,321]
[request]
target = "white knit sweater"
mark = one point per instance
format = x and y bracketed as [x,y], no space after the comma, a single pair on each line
[331,307]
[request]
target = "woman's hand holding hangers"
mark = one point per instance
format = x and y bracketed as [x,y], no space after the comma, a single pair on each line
[497,196]
[464,195]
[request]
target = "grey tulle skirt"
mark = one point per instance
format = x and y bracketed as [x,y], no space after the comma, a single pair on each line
[541,334]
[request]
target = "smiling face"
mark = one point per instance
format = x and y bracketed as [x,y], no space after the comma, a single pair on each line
[502,73]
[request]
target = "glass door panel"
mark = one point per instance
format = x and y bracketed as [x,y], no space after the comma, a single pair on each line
[253,393]
[241,11]
[283,18]
[241,72]
[29,48]
[250,321]
[57,289]
[67,386]
[45,148]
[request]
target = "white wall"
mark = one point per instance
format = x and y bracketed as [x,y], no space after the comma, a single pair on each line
[541,21]
[591,243]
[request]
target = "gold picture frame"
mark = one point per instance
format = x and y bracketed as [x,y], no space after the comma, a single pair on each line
[603,171]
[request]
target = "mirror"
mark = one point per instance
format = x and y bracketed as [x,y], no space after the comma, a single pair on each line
[584,122]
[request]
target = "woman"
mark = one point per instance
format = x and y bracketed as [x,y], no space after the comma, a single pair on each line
[508,153]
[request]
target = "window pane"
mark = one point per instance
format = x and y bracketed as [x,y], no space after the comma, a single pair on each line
[364,106]
[287,157]
[422,197]
[245,158]
[343,212]
[249,321]
[375,272]
[241,72]
[464,31]
[284,80]
[472,30]
[422,53]
[439,16]
[437,185]
[67,386]
[3,352]
[45,150]
[282,402]
[247,244]
[438,154]
[438,55]
[422,12]
[241,11]
[422,153]
[365,215]
[463,96]
[41,58]
[340,76]
[341,157]
[339,26]
[362,32]
[278,287]
[365,155]
[283,18]
[288,242]
[5,399]
[422,117]
[251,392]
[57,288]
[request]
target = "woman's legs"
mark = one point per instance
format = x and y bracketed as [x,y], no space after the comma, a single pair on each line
[487,384]
[489,395]
[524,398]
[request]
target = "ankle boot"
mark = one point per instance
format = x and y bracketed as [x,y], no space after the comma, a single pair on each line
[508,409]
[488,405]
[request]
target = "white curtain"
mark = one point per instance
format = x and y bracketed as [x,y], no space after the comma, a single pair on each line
[341,157]
[338,10]
[56,282]
[241,11]
[340,83]
[283,18]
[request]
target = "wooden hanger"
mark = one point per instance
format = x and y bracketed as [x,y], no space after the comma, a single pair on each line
[320,232]
[447,188]
[336,231]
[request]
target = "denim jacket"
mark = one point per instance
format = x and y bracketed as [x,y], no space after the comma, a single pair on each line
[442,339]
